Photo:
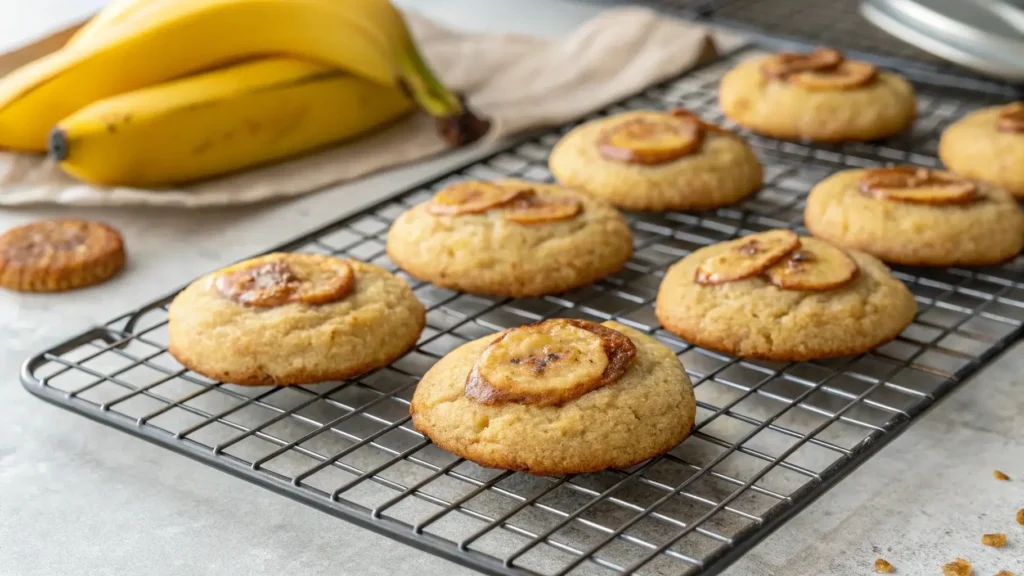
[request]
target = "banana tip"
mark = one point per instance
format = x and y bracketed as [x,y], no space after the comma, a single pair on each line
[58,144]
[462,128]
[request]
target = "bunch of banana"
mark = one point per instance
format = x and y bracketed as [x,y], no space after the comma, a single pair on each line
[155,92]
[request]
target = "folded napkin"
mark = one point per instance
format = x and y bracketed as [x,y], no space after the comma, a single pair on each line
[518,82]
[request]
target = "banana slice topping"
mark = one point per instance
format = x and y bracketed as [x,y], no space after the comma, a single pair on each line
[823,70]
[1011,118]
[747,257]
[918,186]
[815,265]
[472,197]
[784,64]
[653,139]
[278,279]
[549,363]
[518,202]
[783,259]
[529,207]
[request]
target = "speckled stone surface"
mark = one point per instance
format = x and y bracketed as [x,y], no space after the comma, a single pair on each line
[77,498]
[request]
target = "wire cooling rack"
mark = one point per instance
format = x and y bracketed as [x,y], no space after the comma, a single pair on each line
[769,437]
[802,23]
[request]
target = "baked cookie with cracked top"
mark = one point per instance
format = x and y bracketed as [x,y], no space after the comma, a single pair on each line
[988,145]
[820,96]
[59,255]
[779,296]
[510,238]
[656,161]
[292,318]
[916,216]
[561,396]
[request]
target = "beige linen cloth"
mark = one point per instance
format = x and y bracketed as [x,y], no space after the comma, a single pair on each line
[519,82]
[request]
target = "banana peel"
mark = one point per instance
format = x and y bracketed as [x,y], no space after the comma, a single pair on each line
[219,122]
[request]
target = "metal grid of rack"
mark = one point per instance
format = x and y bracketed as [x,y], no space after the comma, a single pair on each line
[769,437]
[836,23]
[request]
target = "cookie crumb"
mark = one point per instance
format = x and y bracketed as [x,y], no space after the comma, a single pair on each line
[1005,573]
[958,567]
[1000,475]
[994,540]
[883,567]
[1020,516]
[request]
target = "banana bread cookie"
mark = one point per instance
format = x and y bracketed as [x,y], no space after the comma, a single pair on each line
[916,216]
[289,318]
[779,296]
[657,161]
[557,397]
[510,238]
[821,96]
[988,145]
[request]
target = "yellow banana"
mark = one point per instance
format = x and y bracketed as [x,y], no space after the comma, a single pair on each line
[220,121]
[114,12]
[365,37]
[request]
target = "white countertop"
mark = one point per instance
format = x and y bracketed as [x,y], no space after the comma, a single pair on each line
[79,498]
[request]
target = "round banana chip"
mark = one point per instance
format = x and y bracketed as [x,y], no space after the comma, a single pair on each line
[1011,118]
[532,208]
[814,266]
[472,197]
[849,74]
[747,256]
[654,139]
[549,363]
[786,63]
[278,279]
[918,186]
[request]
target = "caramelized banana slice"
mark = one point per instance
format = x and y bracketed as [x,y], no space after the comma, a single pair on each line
[918,186]
[747,256]
[653,139]
[278,279]
[1011,118]
[849,74]
[549,363]
[531,207]
[58,255]
[815,265]
[785,64]
[472,197]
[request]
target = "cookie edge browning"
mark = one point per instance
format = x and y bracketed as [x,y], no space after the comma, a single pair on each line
[513,465]
[511,462]
[68,278]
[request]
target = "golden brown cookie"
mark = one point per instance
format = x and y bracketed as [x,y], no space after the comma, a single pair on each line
[916,216]
[657,161]
[988,145]
[510,238]
[815,301]
[558,397]
[59,255]
[287,318]
[820,96]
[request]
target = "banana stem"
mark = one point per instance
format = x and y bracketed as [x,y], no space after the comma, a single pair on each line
[455,121]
